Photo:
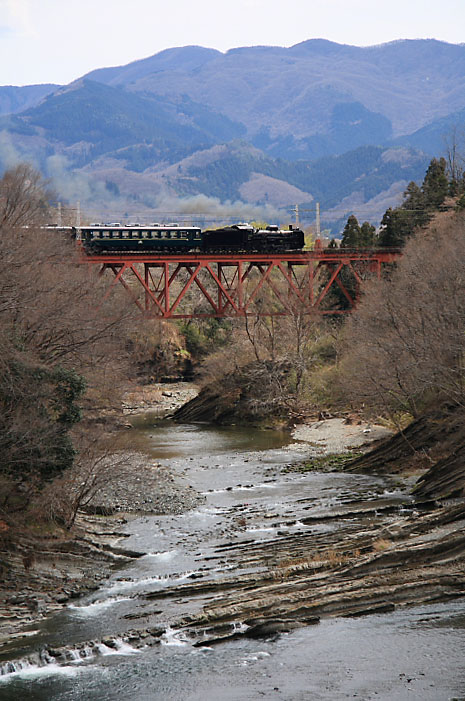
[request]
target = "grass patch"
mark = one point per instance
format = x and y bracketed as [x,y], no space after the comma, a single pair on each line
[334,462]
[325,559]
[381,544]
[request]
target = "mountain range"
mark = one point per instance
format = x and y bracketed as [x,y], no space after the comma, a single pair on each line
[192,129]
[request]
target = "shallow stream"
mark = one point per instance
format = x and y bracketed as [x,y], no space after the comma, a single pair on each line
[250,499]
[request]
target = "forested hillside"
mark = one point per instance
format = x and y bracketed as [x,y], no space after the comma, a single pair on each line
[314,88]
[16,99]
[344,126]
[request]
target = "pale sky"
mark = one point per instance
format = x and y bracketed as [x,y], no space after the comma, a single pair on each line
[57,41]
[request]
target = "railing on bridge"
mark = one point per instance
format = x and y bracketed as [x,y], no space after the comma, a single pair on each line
[241,284]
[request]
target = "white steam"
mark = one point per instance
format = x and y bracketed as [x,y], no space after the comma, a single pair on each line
[213,207]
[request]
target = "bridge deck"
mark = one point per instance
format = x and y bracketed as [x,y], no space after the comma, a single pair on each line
[298,257]
[240,284]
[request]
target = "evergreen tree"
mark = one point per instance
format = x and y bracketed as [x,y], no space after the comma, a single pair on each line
[351,233]
[417,208]
[435,185]
[460,206]
[396,227]
[414,199]
[367,235]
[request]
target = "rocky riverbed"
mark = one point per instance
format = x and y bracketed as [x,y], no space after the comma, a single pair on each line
[64,565]
[364,556]
[380,563]
[357,556]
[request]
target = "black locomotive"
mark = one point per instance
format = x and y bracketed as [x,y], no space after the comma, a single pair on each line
[243,237]
[175,238]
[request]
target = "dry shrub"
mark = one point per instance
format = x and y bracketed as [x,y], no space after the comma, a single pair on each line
[404,345]
[290,562]
[226,361]
[325,558]
[95,468]
[158,348]
[395,422]
[321,388]
[295,352]
[332,557]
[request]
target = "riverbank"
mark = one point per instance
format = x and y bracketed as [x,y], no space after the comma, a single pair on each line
[384,561]
[337,435]
[51,568]
[48,569]
[264,555]
[158,399]
[365,557]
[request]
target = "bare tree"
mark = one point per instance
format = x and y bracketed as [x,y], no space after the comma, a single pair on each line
[404,345]
[454,142]
[24,198]
[96,467]
[275,357]
[56,337]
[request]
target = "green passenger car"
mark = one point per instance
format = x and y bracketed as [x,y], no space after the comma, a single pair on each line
[99,238]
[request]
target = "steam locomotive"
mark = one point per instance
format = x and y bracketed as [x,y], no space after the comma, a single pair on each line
[175,238]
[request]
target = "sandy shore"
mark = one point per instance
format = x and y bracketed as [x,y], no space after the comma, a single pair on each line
[158,399]
[337,435]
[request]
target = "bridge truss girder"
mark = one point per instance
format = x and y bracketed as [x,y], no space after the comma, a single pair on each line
[238,285]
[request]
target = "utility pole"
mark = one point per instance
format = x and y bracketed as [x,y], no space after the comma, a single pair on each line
[318,220]
[296,212]
[59,222]
[78,215]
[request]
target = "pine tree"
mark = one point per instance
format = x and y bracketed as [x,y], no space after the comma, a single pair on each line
[415,212]
[414,199]
[351,233]
[367,235]
[435,185]
[396,227]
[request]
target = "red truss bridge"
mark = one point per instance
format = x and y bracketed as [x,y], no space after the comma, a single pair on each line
[194,285]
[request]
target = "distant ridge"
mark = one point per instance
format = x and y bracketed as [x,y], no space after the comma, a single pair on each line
[186,58]
[344,125]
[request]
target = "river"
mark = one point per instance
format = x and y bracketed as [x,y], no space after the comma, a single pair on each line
[250,500]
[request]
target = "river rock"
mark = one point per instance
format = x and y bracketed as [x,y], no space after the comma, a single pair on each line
[271,627]
[368,610]
[110,642]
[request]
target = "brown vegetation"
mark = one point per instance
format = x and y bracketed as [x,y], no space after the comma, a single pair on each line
[270,365]
[158,349]
[404,357]
[404,344]
[60,353]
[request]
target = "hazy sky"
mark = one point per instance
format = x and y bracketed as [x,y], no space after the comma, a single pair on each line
[56,41]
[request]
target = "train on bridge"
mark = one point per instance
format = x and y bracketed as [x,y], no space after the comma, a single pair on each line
[175,238]
[232,266]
